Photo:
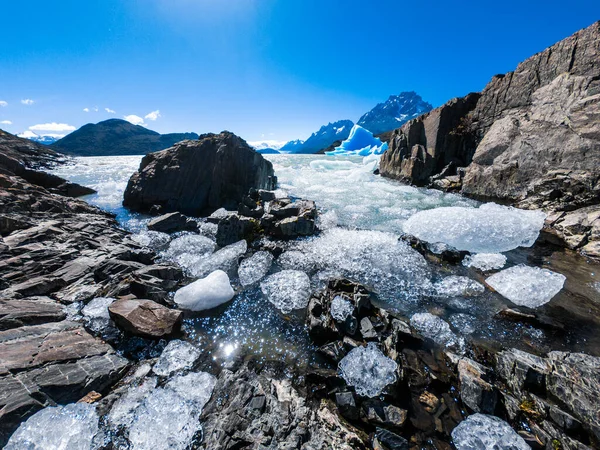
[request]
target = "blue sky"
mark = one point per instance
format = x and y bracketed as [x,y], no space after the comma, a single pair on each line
[264,69]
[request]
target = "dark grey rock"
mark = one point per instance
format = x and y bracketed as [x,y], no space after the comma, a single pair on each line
[172,222]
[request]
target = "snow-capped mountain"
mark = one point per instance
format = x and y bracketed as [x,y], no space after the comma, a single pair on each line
[292,146]
[47,139]
[327,134]
[393,113]
[266,145]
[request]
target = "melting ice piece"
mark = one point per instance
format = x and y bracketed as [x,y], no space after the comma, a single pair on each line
[485,261]
[287,290]
[368,370]
[341,308]
[480,431]
[177,355]
[71,427]
[225,259]
[123,410]
[360,142]
[168,418]
[206,293]
[95,314]
[152,239]
[527,286]
[293,259]
[253,269]
[188,250]
[456,286]
[434,328]
[490,228]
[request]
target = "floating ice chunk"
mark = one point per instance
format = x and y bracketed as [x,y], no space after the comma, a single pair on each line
[225,259]
[253,269]
[294,259]
[485,261]
[434,328]
[206,293]
[123,410]
[287,290]
[341,308]
[456,286]
[168,418]
[368,370]
[177,355]
[490,228]
[188,250]
[527,286]
[95,314]
[482,432]
[151,239]
[360,142]
[69,427]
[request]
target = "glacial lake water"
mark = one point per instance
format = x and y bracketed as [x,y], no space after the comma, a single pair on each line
[362,216]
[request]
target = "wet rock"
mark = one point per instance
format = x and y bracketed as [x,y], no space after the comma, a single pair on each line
[346,405]
[233,228]
[475,390]
[29,311]
[145,318]
[172,223]
[389,440]
[377,412]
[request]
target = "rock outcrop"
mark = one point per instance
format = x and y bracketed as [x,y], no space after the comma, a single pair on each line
[531,138]
[196,177]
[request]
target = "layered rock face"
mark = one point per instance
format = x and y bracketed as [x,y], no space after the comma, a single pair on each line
[532,139]
[196,177]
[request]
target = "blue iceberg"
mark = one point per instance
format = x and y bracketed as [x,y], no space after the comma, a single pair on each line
[361,142]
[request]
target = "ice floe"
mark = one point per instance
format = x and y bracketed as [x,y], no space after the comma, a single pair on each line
[480,432]
[435,328]
[152,239]
[254,268]
[527,286]
[225,259]
[485,261]
[368,370]
[360,142]
[341,308]
[206,293]
[177,355]
[69,427]
[490,228]
[287,290]
[95,314]
[189,251]
[455,286]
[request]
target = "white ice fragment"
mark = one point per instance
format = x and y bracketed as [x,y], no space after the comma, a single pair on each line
[434,328]
[69,427]
[151,239]
[224,259]
[341,308]
[123,410]
[177,355]
[527,286]
[95,314]
[253,269]
[293,259]
[287,290]
[485,261]
[457,286]
[188,250]
[368,370]
[482,432]
[490,228]
[206,293]
[360,142]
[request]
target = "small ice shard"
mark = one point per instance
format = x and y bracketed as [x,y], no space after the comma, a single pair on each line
[341,308]
[456,286]
[254,269]
[224,259]
[485,261]
[293,259]
[69,427]
[490,228]
[527,286]
[123,410]
[360,142]
[188,250]
[482,432]
[206,293]
[368,370]
[434,328]
[151,239]
[287,290]
[177,355]
[95,314]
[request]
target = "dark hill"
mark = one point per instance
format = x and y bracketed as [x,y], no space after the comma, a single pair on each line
[116,137]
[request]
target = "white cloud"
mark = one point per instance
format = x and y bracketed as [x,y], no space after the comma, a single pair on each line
[52,127]
[153,115]
[3,103]
[27,134]
[86,109]
[27,101]
[110,111]
[268,143]
[6,122]
[136,120]
[96,108]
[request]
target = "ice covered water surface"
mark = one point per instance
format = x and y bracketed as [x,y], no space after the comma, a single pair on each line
[368,370]
[527,286]
[341,308]
[485,261]
[455,286]
[490,228]
[287,290]
[69,427]
[482,432]
[177,355]
[206,293]
[254,268]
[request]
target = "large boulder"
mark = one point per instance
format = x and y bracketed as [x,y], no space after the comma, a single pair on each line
[198,177]
[145,318]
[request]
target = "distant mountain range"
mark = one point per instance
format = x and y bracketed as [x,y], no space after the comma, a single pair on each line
[116,137]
